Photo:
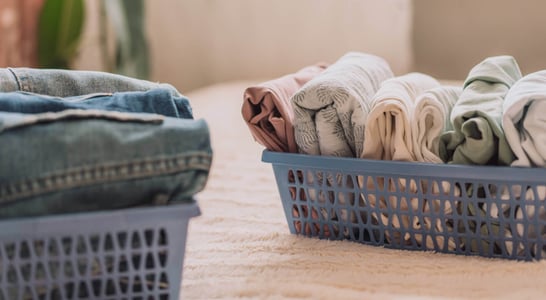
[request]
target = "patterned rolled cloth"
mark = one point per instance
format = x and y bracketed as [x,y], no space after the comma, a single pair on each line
[330,114]
[331,109]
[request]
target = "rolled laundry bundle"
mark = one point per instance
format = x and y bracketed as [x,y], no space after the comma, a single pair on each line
[430,119]
[523,120]
[330,111]
[267,110]
[388,136]
[524,128]
[477,136]
[388,128]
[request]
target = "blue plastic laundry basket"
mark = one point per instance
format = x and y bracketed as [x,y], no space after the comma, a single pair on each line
[134,253]
[472,210]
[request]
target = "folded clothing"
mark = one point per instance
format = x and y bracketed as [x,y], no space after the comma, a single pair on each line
[388,128]
[523,121]
[330,110]
[430,119]
[67,83]
[525,127]
[87,160]
[80,141]
[478,137]
[157,101]
[267,110]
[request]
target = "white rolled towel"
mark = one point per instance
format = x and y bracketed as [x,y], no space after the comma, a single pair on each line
[430,119]
[330,110]
[524,126]
[523,120]
[387,134]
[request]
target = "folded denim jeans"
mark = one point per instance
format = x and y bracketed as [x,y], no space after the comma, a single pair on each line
[86,160]
[67,83]
[157,101]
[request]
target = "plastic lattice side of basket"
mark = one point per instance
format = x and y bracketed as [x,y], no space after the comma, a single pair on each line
[132,253]
[471,210]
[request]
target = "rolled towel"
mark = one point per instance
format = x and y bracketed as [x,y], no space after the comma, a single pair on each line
[524,126]
[388,128]
[430,119]
[330,111]
[478,137]
[267,110]
[523,120]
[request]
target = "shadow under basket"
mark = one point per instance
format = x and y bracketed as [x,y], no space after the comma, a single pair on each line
[488,211]
[135,253]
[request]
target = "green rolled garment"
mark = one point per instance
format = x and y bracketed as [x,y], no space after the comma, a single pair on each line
[478,137]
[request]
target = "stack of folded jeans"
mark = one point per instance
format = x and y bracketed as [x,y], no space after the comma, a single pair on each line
[77,141]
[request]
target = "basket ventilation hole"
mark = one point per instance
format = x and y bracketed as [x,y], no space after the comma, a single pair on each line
[122,239]
[136,259]
[149,237]
[163,239]
[164,281]
[81,247]
[96,285]
[108,243]
[135,240]
[66,243]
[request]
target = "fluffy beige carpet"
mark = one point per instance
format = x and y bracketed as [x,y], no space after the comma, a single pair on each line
[241,247]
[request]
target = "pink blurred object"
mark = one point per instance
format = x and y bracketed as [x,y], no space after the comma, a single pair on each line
[18,32]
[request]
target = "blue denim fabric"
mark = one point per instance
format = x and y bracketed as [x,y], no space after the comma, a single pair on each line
[158,101]
[67,83]
[85,160]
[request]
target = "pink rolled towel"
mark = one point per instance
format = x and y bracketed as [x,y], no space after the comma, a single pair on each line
[268,112]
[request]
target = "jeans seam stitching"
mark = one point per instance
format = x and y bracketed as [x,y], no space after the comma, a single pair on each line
[89,175]
[17,79]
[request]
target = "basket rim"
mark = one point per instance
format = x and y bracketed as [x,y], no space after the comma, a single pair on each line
[135,214]
[402,168]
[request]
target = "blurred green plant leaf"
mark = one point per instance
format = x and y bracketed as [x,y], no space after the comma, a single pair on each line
[59,31]
[127,19]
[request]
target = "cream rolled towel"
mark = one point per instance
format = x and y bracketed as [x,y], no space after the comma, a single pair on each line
[478,137]
[330,110]
[430,119]
[387,134]
[523,120]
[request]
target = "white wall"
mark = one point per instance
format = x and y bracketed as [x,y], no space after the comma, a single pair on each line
[198,42]
[453,36]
